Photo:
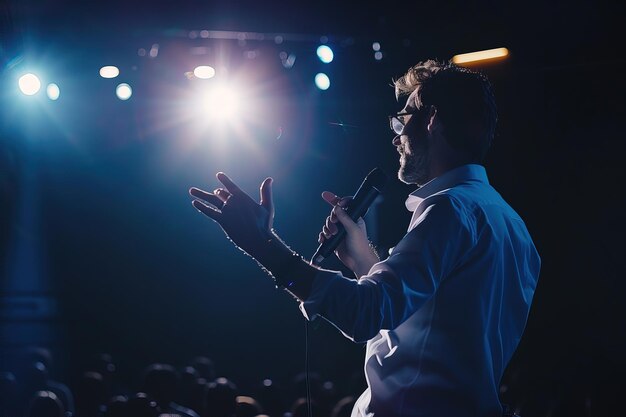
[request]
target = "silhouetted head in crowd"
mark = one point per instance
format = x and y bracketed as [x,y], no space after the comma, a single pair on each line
[271,397]
[103,364]
[91,394]
[45,404]
[327,396]
[247,406]
[188,377]
[344,407]
[189,374]
[140,405]
[300,408]
[30,376]
[38,354]
[220,399]
[299,385]
[197,394]
[117,407]
[205,367]
[188,393]
[160,382]
[35,376]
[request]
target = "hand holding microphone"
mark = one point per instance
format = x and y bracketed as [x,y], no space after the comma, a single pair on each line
[345,222]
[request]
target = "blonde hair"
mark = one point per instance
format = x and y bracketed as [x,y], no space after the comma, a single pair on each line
[416,76]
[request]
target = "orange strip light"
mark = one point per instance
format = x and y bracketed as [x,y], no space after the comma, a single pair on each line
[480,55]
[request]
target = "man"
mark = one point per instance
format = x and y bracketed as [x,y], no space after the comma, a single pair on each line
[443,314]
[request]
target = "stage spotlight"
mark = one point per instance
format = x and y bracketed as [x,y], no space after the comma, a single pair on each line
[123,91]
[220,102]
[29,84]
[204,72]
[53,91]
[325,54]
[378,55]
[109,71]
[322,81]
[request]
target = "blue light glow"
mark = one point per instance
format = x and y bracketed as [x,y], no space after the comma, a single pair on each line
[53,91]
[322,81]
[325,54]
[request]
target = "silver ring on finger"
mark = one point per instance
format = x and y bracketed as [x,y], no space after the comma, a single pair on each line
[222,193]
[227,198]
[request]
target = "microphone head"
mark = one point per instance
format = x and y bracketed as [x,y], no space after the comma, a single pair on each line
[377,179]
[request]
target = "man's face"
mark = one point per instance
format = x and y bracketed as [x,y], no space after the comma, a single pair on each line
[413,145]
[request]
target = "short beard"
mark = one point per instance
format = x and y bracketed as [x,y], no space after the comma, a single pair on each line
[416,167]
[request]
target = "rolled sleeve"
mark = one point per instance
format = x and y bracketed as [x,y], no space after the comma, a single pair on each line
[396,288]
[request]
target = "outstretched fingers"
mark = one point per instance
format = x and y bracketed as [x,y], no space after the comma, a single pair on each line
[206,209]
[231,187]
[206,196]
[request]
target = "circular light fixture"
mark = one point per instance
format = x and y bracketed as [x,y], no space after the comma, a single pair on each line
[53,91]
[322,81]
[204,72]
[29,84]
[325,54]
[123,91]
[109,71]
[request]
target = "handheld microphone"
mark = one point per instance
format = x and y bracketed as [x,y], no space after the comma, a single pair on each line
[372,186]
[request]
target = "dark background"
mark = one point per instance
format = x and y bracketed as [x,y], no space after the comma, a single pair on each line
[99,236]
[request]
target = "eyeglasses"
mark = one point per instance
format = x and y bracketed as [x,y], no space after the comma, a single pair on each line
[397,121]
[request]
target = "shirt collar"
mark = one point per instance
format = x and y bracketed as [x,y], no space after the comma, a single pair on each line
[447,180]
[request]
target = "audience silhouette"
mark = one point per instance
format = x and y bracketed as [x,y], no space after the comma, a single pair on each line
[192,390]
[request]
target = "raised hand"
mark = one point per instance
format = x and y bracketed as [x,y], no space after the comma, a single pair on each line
[247,223]
[355,250]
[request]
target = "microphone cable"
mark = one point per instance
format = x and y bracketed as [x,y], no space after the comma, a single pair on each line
[306,369]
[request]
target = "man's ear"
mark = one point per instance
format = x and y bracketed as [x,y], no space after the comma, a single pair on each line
[433,120]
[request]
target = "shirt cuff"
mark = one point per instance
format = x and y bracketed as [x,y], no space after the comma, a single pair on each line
[314,304]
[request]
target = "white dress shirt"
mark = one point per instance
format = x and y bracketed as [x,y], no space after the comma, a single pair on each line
[444,313]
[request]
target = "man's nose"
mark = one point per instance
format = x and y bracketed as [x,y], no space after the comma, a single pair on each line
[396,141]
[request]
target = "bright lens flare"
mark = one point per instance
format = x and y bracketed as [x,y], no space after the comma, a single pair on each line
[29,84]
[109,71]
[220,102]
[123,91]
[204,71]
[325,54]
[53,91]
[480,55]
